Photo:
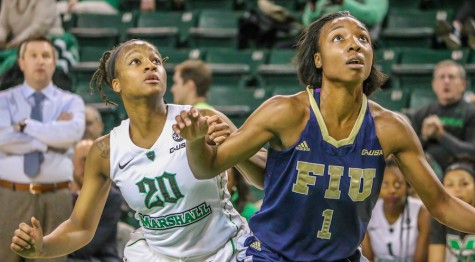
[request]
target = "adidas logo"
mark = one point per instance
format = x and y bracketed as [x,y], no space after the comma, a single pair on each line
[303,146]
[256,245]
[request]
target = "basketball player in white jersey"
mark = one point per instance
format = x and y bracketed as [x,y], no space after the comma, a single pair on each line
[181,218]
[400,224]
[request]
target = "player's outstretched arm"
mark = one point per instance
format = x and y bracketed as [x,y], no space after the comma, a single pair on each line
[220,127]
[397,137]
[261,127]
[79,229]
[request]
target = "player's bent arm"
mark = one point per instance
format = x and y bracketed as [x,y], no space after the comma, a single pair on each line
[397,137]
[367,248]
[79,229]
[253,168]
[242,144]
[436,253]
[422,244]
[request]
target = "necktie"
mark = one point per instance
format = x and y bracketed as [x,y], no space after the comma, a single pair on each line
[32,161]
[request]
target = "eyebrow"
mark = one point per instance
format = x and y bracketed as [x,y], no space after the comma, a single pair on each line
[129,54]
[338,27]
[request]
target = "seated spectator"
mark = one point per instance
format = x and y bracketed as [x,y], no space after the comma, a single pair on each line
[399,226]
[370,12]
[240,195]
[463,23]
[446,127]
[94,124]
[447,244]
[20,20]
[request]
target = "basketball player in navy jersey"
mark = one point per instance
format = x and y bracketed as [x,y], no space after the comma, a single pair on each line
[327,153]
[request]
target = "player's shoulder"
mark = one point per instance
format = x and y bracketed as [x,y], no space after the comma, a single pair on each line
[387,118]
[101,146]
[288,105]
[393,129]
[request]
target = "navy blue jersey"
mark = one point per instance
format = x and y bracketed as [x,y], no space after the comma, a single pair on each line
[320,192]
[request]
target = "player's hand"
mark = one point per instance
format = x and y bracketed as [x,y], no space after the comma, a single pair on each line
[27,241]
[191,125]
[218,130]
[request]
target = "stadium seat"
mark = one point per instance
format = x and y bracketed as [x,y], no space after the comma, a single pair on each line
[420,97]
[98,33]
[215,29]
[246,98]
[231,66]
[279,71]
[219,5]
[416,65]
[163,28]
[394,99]
[404,4]
[409,28]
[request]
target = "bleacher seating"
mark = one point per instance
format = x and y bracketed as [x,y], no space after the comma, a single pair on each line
[279,70]
[215,29]
[207,29]
[98,33]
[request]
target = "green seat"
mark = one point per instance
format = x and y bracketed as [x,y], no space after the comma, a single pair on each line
[392,99]
[385,59]
[99,32]
[279,71]
[244,101]
[420,97]
[215,29]
[231,66]
[448,4]
[404,4]
[159,28]
[416,65]
[219,5]
[409,28]
[163,28]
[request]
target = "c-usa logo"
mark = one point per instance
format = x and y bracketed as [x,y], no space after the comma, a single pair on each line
[177,137]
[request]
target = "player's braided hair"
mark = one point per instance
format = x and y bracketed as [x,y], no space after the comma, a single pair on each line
[100,77]
[106,72]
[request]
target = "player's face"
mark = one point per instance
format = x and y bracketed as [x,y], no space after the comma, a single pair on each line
[180,89]
[394,188]
[346,54]
[448,85]
[461,184]
[140,71]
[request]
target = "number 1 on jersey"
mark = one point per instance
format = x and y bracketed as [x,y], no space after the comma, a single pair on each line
[324,232]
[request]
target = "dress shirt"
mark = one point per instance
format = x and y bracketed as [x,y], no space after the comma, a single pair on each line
[15,105]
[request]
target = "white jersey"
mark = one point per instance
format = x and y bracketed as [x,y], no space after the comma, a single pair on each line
[397,241]
[180,216]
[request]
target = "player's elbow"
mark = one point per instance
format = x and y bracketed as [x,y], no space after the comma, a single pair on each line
[204,175]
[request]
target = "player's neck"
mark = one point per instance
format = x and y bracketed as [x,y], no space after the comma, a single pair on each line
[392,213]
[340,103]
[146,122]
